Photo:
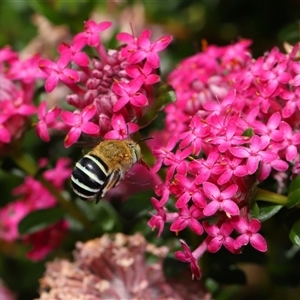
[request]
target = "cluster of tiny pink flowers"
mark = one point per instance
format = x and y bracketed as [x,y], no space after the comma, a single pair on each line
[32,196]
[235,123]
[110,92]
[17,87]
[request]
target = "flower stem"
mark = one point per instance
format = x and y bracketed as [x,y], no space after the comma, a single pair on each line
[26,164]
[264,195]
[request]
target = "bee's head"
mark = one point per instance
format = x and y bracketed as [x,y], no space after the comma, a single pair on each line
[136,151]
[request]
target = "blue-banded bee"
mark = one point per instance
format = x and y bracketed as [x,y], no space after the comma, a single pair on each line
[104,167]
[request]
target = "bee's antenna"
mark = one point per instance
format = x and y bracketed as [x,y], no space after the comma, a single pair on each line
[127,127]
[141,140]
[145,138]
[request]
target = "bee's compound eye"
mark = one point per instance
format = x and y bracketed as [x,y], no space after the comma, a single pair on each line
[136,153]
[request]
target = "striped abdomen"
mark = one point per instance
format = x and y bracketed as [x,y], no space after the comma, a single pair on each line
[89,177]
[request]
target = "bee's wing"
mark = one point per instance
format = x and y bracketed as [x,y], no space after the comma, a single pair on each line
[138,179]
[86,141]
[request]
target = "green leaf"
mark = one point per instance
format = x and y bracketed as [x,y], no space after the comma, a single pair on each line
[255,211]
[137,206]
[173,267]
[75,12]
[40,219]
[107,219]
[294,193]
[295,234]
[47,10]
[294,185]
[163,95]
[268,210]
[248,132]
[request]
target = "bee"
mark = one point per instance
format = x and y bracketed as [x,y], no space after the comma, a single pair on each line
[104,167]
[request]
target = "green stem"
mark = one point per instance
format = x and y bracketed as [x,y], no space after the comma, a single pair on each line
[264,195]
[25,163]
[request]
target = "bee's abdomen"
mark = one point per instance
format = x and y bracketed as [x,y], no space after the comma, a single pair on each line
[89,176]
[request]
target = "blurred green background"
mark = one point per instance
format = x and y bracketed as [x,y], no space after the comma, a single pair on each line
[267,23]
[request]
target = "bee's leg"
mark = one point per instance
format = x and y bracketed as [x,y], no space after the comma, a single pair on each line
[112,180]
[98,196]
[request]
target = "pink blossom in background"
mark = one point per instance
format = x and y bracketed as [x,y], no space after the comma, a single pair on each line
[112,82]
[11,215]
[32,196]
[44,241]
[5,293]
[46,119]
[211,165]
[17,86]
[91,36]
[58,72]
[109,94]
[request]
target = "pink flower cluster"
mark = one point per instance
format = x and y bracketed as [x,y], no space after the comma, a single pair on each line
[34,196]
[110,92]
[17,86]
[235,123]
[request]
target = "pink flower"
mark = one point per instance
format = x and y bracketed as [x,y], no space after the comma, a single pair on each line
[10,216]
[34,194]
[292,102]
[195,136]
[188,217]
[129,92]
[91,33]
[14,112]
[203,168]
[46,240]
[275,71]
[79,122]
[74,53]
[5,293]
[220,200]
[255,153]
[248,231]
[5,136]
[161,152]
[58,71]
[142,48]
[121,130]
[189,190]
[27,71]
[229,167]
[7,55]
[130,42]
[220,236]
[46,120]
[187,256]
[105,80]
[158,220]
[16,107]
[228,138]
[135,71]
[290,140]
[60,173]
